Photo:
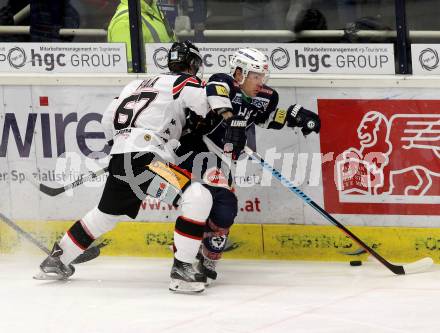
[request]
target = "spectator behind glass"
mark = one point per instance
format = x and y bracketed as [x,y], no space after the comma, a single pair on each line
[366,23]
[155,28]
[264,14]
[302,16]
[295,15]
[47,17]
[7,13]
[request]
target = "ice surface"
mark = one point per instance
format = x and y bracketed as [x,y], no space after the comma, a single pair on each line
[112,295]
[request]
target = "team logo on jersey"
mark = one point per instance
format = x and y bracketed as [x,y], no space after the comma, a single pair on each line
[147,137]
[237,99]
[389,163]
[260,102]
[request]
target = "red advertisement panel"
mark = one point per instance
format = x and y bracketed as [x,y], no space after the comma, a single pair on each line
[385,156]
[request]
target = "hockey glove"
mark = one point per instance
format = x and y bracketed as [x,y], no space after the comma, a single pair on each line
[307,120]
[200,126]
[235,136]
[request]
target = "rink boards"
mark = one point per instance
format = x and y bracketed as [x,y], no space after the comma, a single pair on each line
[247,241]
[49,129]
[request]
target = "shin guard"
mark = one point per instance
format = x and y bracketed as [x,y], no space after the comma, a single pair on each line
[214,241]
[196,205]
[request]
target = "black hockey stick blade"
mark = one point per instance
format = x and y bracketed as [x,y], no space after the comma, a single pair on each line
[91,253]
[51,191]
[418,266]
[54,191]
[358,252]
[87,255]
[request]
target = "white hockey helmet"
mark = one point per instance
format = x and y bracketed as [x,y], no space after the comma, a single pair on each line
[249,60]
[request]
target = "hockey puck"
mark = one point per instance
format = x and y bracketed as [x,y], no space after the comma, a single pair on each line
[355,263]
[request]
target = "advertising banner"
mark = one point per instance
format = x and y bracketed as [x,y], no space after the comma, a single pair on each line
[53,134]
[375,161]
[387,161]
[425,59]
[290,58]
[63,58]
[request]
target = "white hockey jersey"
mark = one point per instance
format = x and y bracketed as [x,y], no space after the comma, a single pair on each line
[149,114]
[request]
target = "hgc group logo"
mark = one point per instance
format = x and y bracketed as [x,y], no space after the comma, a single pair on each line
[387,160]
[429,59]
[17,57]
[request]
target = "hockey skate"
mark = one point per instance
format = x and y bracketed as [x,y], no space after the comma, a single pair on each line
[185,279]
[206,266]
[52,268]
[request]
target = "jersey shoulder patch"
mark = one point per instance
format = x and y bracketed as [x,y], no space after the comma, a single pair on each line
[220,85]
[221,90]
[184,80]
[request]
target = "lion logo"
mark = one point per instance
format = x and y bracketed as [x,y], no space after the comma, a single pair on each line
[396,158]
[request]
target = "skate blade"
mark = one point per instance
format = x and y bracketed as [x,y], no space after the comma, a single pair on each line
[180,286]
[48,276]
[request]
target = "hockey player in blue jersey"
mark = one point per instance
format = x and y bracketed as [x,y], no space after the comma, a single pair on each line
[238,102]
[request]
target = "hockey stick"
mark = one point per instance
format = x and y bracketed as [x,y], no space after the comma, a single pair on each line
[419,265]
[87,255]
[92,252]
[53,191]
[23,233]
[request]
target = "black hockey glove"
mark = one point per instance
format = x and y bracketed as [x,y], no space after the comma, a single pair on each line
[307,120]
[200,126]
[235,136]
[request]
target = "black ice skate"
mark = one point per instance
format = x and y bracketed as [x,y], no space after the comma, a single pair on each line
[52,268]
[185,279]
[206,266]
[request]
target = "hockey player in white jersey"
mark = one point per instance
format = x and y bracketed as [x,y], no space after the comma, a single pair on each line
[145,123]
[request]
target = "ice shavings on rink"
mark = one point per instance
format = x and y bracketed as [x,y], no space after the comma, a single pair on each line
[131,295]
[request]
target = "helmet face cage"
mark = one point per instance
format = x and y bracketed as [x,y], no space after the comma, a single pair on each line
[250,60]
[184,56]
[197,65]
